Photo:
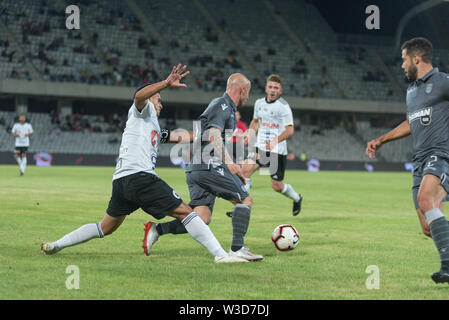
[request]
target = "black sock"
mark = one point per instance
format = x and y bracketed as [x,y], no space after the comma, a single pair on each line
[240,222]
[445,265]
[439,230]
[173,227]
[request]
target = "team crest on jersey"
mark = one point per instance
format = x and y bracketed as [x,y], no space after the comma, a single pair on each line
[154,159]
[155,138]
[220,171]
[429,88]
[424,115]
[176,195]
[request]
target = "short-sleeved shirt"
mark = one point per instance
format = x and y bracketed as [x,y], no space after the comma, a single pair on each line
[273,117]
[428,115]
[140,142]
[22,130]
[220,113]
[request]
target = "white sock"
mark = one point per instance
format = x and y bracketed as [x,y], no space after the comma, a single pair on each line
[290,193]
[80,235]
[19,162]
[23,164]
[248,184]
[202,233]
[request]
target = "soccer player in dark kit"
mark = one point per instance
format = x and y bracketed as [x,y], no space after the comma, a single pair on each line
[428,123]
[212,173]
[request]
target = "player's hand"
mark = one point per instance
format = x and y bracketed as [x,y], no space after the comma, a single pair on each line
[372,147]
[234,168]
[177,74]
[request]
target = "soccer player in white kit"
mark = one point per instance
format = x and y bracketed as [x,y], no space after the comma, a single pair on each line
[273,122]
[136,185]
[22,130]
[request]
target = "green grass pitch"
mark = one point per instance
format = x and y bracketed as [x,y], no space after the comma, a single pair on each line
[349,221]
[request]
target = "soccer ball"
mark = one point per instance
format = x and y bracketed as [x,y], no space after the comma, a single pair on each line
[285,237]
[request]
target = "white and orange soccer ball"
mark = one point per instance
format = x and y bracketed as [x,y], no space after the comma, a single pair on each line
[285,237]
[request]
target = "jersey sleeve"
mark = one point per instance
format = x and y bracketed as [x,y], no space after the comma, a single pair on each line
[216,117]
[146,112]
[30,128]
[14,129]
[287,116]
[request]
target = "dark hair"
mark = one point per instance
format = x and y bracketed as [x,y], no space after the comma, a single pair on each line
[140,88]
[275,78]
[420,47]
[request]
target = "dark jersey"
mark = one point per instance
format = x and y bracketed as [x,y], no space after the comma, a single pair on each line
[220,113]
[428,115]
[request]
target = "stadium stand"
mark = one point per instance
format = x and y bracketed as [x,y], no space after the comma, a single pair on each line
[396,151]
[115,49]
[102,136]
[127,43]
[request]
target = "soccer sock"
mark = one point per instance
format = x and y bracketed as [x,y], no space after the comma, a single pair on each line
[173,227]
[202,233]
[23,164]
[240,222]
[248,184]
[439,229]
[19,162]
[80,235]
[290,193]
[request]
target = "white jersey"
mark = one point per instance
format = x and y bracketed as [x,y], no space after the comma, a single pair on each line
[273,118]
[140,142]
[22,129]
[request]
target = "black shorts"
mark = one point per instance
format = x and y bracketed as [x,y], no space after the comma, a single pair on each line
[20,150]
[435,165]
[275,163]
[218,181]
[142,190]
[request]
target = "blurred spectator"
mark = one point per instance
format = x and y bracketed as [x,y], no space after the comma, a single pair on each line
[210,36]
[271,51]
[313,165]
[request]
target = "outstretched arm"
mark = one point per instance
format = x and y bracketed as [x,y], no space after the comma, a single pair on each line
[399,132]
[172,81]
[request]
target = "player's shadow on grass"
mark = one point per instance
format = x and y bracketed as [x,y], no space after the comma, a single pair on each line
[325,218]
